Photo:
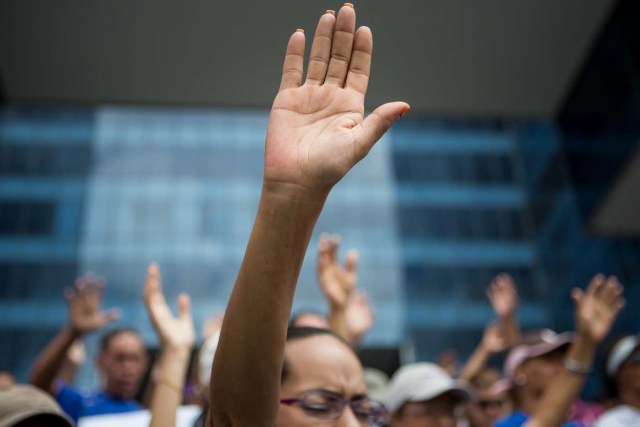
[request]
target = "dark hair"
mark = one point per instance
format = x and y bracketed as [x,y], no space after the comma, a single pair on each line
[299,314]
[106,338]
[301,332]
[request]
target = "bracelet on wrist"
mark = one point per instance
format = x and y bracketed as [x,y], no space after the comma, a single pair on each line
[576,367]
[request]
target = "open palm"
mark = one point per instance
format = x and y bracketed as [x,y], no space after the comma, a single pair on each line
[336,282]
[176,332]
[317,130]
[598,307]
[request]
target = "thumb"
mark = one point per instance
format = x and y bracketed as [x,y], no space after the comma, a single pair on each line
[576,295]
[379,122]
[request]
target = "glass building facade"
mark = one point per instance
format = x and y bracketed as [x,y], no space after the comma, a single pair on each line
[436,210]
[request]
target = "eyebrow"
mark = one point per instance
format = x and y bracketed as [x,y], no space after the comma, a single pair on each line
[339,395]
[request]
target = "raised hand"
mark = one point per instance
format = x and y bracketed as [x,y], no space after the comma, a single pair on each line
[173,332]
[493,339]
[598,307]
[317,130]
[503,296]
[337,283]
[84,301]
[359,316]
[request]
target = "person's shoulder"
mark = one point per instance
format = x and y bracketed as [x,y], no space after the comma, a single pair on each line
[515,419]
[100,403]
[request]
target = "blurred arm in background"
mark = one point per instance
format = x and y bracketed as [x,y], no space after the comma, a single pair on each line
[503,296]
[176,336]
[596,310]
[337,283]
[85,315]
[492,343]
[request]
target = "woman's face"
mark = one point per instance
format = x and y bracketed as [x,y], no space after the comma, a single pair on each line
[324,366]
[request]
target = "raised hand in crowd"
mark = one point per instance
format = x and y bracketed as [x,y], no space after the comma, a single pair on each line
[85,305]
[85,312]
[317,132]
[177,337]
[596,310]
[448,360]
[336,282]
[503,295]
[493,342]
[360,316]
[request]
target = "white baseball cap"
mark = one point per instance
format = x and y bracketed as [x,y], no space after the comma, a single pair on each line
[418,382]
[620,353]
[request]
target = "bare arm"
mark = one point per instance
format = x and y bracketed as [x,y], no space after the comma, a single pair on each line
[337,283]
[317,133]
[596,310]
[177,337]
[85,315]
[73,360]
[492,342]
[503,296]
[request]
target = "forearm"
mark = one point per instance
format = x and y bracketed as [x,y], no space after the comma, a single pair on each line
[68,371]
[565,388]
[475,364]
[510,329]
[50,360]
[248,363]
[169,383]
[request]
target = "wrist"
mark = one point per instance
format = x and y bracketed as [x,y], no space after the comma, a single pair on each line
[507,317]
[337,307]
[293,192]
[177,352]
[576,367]
[74,332]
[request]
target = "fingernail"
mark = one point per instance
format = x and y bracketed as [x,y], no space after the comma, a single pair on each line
[300,30]
[349,5]
[330,12]
[405,111]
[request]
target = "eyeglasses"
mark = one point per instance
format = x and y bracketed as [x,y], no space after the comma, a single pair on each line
[328,406]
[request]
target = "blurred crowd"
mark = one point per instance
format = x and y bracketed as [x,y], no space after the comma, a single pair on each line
[512,374]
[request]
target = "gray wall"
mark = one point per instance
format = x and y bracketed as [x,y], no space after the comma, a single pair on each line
[495,58]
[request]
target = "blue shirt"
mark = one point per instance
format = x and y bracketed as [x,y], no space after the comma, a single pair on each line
[518,419]
[78,405]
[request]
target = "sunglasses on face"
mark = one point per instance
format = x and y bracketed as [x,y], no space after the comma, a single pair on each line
[329,406]
[490,403]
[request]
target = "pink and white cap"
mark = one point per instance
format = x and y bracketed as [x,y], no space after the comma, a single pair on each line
[548,342]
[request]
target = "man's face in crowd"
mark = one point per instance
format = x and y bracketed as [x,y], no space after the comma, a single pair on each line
[320,363]
[488,407]
[437,412]
[123,364]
